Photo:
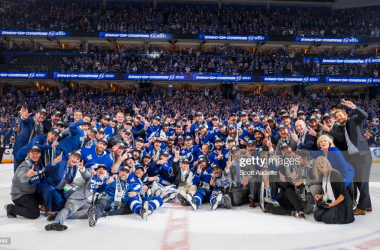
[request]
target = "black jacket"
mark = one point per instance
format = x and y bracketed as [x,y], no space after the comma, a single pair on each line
[354,126]
[177,173]
[343,211]
[338,135]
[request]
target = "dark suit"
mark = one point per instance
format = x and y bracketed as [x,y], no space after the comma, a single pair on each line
[2,148]
[362,160]
[338,135]
[308,143]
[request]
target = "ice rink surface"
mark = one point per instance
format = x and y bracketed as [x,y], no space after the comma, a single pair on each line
[175,227]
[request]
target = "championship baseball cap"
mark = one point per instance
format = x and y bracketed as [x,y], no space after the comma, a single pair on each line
[215,166]
[185,161]
[57,113]
[199,114]
[271,119]
[103,140]
[157,118]
[234,149]
[77,152]
[158,139]
[254,114]
[300,112]
[59,123]
[165,124]
[165,153]
[232,114]
[146,155]
[93,129]
[181,137]
[106,117]
[140,139]
[127,122]
[285,116]
[202,159]
[244,113]
[215,118]
[303,153]
[327,115]
[100,130]
[188,138]
[316,110]
[34,148]
[55,131]
[113,119]
[138,116]
[96,166]
[247,124]
[139,166]
[231,126]
[282,126]
[217,138]
[284,145]
[125,168]
[221,124]
[263,117]
[230,138]
[201,126]
[126,131]
[283,111]
[263,148]
[122,145]
[251,142]
[178,125]
[42,110]
[314,117]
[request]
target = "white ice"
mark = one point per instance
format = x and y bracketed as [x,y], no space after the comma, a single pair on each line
[175,227]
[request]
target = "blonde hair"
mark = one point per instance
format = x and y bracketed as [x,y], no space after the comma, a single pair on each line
[318,173]
[327,138]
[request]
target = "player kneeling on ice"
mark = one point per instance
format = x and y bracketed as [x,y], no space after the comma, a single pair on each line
[220,181]
[79,201]
[202,180]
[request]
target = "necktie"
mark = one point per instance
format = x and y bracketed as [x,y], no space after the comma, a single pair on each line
[39,129]
[238,177]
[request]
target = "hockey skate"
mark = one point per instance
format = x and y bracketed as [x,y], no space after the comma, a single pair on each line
[144,210]
[182,200]
[56,227]
[227,201]
[91,216]
[217,201]
[7,208]
[169,197]
[190,199]
[52,217]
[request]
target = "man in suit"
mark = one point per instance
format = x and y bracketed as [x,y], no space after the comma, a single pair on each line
[302,137]
[30,128]
[335,130]
[358,152]
[2,147]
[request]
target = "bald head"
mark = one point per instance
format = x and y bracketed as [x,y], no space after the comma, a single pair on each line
[300,126]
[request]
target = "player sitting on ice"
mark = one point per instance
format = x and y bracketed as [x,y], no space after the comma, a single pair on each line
[202,180]
[220,181]
[79,201]
[139,202]
[162,170]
